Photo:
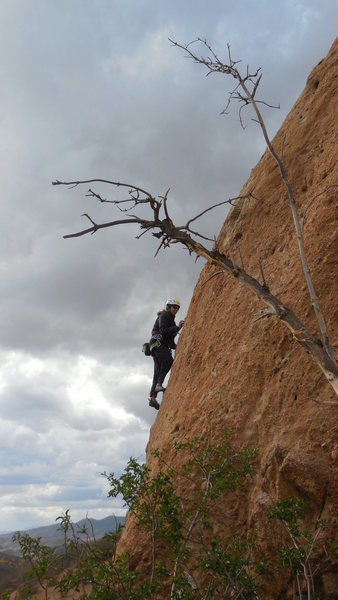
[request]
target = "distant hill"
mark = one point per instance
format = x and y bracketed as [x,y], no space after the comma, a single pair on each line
[52,536]
[12,571]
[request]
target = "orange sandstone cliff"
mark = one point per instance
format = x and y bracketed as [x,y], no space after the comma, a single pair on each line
[252,378]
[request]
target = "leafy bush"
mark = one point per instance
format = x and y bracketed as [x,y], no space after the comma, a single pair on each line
[186,561]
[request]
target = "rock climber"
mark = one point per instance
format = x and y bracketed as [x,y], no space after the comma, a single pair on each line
[162,342]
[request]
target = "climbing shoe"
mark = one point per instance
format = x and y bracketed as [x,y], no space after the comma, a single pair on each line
[159,388]
[153,402]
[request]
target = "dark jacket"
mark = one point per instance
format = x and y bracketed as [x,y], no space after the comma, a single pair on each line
[165,326]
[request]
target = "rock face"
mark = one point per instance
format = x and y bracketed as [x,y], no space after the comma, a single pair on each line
[251,377]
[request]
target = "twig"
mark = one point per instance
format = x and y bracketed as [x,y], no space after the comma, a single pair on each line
[325,402]
[265,312]
[100,226]
[74,184]
[165,197]
[229,201]
[262,274]
[212,276]
[240,256]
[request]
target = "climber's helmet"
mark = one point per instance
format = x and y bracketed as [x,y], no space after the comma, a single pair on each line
[172,302]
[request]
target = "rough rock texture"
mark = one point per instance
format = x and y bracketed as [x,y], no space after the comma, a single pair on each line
[253,378]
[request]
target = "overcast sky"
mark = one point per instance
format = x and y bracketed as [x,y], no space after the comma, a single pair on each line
[93,89]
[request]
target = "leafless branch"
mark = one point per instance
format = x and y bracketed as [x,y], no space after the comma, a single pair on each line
[214,64]
[97,226]
[74,184]
[147,229]
[92,194]
[276,106]
[230,201]
[240,256]
[200,235]
[265,312]
[165,197]
[233,261]
[262,274]
[325,402]
[212,276]
[282,149]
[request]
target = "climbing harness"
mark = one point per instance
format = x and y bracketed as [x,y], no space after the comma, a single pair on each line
[155,341]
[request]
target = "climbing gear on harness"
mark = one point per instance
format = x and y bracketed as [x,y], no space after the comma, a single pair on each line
[153,402]
[155,341]
[159,388]
[156,337]
[146,349]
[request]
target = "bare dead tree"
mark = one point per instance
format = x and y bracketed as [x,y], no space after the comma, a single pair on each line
[161,226]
